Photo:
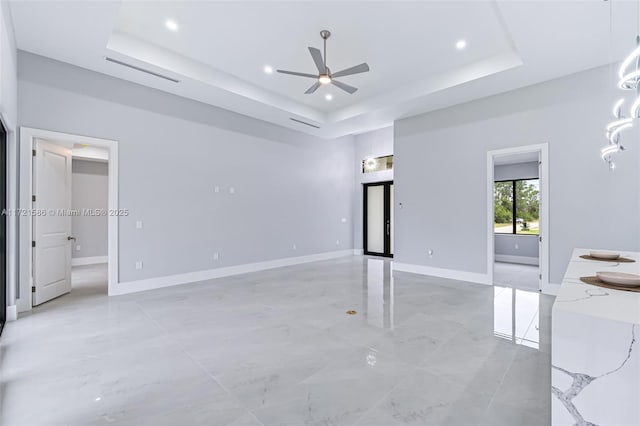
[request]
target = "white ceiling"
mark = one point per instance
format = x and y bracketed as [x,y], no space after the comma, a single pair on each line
[221,48]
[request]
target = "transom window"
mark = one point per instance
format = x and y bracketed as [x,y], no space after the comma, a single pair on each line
[377,164]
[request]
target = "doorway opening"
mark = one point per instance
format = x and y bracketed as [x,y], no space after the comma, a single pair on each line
[72,234]
[378,219]
[517,217]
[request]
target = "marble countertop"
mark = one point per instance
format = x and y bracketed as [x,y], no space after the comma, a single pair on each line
[581,298]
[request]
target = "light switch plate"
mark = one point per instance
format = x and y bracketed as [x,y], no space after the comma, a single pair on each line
[139,264]
[216,189]
[138,224]
[78,247]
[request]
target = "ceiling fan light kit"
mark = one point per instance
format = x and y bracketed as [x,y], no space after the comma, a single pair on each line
[325,76]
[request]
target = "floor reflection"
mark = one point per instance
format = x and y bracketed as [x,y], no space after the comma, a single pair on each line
[515,316]
[379,293]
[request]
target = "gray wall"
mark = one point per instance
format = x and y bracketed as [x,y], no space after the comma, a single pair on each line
[516,245]
[376,143]
[441,173]
[89,190]
[290,188]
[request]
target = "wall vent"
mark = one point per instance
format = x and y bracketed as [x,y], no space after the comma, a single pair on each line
[304,122]
[155,74]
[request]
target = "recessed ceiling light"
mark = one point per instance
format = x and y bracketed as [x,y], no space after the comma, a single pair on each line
[172,25]
[328,96]
[268,69]
[461,44]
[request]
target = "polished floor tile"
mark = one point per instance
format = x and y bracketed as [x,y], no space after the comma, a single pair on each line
[278,348]
[516,275]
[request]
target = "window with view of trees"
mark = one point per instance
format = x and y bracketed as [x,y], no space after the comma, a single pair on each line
[516,207]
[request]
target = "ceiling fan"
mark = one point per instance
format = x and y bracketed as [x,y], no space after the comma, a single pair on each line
[325,76]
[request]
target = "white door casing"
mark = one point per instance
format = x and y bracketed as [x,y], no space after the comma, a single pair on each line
[51,221]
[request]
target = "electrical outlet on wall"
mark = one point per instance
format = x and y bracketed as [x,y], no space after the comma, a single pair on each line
[138,224]
[516,246]
[78,247]
[232,190]
[430,253]
[138,264]
[216,256]
[295,247]
[216,189]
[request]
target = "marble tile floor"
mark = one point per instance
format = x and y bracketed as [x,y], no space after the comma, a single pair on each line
[516,275]
[277,348]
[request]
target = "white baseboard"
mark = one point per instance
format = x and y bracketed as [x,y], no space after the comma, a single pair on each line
[358,252]
[191,277]
[94,260]
[12,313]
[524,260]
[453,274]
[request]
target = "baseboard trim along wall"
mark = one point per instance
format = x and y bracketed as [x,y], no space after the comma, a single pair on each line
[524,260]
[12,313]
[209,274]
[358,252]
[94,260]
[452,274]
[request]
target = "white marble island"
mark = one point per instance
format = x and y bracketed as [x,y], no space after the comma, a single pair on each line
[595,372]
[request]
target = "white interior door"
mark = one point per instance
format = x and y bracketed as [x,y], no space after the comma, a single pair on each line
[51,221]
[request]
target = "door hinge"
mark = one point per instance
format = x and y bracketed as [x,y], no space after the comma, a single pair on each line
[540,276]
[540,239]
[33,289]
[33,152]
[33,243]
[33,198]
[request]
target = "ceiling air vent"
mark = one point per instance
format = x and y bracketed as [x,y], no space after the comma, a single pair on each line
[155,74]
[304,122]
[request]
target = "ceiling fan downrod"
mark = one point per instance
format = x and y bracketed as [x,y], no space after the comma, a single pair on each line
[325,34]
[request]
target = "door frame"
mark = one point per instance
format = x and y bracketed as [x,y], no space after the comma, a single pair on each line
[387,215]
[543,150]
[4,290]
[27,140]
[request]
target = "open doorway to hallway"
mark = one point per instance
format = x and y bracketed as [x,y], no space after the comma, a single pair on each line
[90,193]
[49,252]
[517,214]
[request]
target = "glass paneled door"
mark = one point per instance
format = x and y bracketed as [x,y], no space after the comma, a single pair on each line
[378,219]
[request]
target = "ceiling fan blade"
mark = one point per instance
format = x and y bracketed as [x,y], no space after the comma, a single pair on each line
[364,67]
[312,88]
[317,58]
[299,74]
[345,87]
